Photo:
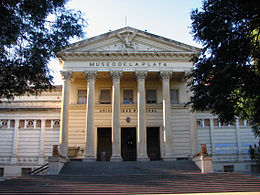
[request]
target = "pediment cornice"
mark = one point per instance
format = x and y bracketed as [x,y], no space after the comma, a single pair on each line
[143,54]
[128,41]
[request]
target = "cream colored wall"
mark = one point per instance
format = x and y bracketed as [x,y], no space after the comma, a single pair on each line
[28,141]
[154,114]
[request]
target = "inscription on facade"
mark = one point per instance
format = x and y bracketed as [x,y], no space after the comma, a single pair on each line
[127,110]
[127,64]
[105,110]
[151,110]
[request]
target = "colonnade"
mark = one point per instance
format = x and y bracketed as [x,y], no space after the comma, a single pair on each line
[116,131]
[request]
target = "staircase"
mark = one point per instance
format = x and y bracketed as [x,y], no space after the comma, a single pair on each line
[131,178]
[128,168]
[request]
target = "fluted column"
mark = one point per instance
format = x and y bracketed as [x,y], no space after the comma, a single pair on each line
[116,133]
[65,113]
[141,128]
[90,131]
[167,115]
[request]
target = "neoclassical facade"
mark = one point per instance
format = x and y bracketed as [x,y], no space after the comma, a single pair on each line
[123,99]
[133,81]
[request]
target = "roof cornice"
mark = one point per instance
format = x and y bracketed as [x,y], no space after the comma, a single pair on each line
[65,55]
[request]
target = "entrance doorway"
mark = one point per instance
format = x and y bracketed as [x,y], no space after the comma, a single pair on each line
[128,144]
[104,147]
[153,143]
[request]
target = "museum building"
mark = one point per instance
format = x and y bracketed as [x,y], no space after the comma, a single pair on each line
[123,99]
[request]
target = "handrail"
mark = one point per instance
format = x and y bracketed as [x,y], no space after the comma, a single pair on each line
[39,169]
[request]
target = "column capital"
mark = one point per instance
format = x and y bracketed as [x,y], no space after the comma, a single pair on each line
[140,75]
[66,75]
[165,75]
[91,75]
[115,75]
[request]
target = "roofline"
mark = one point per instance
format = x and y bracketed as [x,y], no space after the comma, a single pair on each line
[159,38]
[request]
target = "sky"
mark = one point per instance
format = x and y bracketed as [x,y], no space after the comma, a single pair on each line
[167,18]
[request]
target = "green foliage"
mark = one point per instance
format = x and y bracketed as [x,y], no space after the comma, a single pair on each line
[226,77]
[31,31]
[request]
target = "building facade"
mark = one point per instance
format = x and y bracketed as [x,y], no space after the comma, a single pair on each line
[123,99]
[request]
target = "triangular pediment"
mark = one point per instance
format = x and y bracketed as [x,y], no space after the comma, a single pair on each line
[129,39]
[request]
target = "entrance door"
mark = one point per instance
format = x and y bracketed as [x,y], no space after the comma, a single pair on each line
[153,143]
[104,147]
[128,144]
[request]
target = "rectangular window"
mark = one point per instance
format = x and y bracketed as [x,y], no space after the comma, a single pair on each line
[206,123]
[105,96]
[174,93]
[216,122]
[12,123]
[38,123]
[128,96]
[82,96]
[21,123]
[48,123]
[151,96]
[241,122]
[1,172]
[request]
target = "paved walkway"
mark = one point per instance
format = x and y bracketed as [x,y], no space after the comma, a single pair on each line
[148,178]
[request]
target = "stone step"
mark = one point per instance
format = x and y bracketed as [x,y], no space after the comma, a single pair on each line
[181,182]
[127,168]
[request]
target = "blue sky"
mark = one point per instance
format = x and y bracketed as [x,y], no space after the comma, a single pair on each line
[167,18]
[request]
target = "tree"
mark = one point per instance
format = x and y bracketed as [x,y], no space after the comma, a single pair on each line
[31,32]
[226,77]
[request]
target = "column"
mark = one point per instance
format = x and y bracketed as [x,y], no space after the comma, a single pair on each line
[15,142]
[65,113]
[90,131]
[116,133]
[42,140]
[141,128]
[167,125]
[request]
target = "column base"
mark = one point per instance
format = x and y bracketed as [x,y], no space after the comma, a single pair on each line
[116,158]
[89,159]
[143,158]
